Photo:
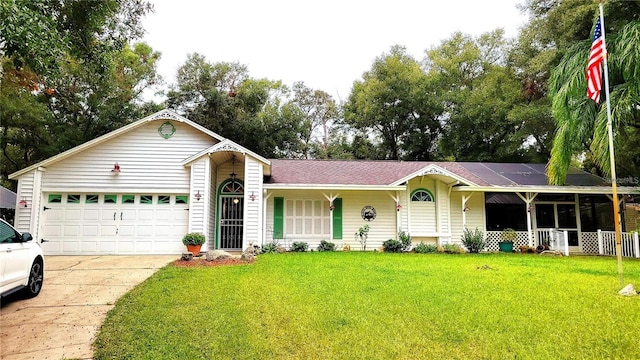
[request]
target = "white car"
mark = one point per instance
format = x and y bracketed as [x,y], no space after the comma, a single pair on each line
[21,262]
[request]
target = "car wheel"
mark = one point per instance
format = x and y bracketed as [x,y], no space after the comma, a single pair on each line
[36,278]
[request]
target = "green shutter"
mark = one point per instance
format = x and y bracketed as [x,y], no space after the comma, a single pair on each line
[278,217]
[337,218]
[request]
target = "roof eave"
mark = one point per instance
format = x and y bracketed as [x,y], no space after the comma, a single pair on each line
[552,189]
[433,169]
[332,187]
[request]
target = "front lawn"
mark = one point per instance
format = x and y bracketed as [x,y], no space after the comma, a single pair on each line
[353,305]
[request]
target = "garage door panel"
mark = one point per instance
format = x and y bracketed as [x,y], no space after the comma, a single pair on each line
[128,214]
[90,230]
[126,247]
[108,230]
[71,247]
[127,230]
[107,246]
[71,230]
[145,214]
[144,231]
[91,214]
[54,214]
[72,214]
[89,246]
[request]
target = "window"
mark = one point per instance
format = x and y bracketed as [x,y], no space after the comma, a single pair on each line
[146,199]
[164,199]
[91,199]
[73,199]
[110,199]
[596,212]
[307,217]
[421,195]
[128,199]
[233,187]
[7,234]
[182,199]
[505,210]
[55,198]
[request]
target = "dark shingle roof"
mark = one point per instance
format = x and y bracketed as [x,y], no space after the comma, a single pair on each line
[370,172]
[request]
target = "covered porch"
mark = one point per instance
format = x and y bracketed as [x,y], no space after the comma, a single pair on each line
[579,222]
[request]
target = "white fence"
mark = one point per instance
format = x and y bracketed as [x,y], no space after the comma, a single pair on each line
[556,240]
[629,241]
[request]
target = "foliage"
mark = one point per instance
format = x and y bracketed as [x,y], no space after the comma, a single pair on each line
[326,246]
[392,246]
[393,101]
[136,329]
[69,75]
[299,246]
[582,124]
[270,248]
[193,239]
[451,249]
[405,240]
[509,235]
[473,240]
[361,236]
[424,248]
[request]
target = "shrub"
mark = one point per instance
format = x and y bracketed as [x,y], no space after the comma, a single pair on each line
[393,246]
[361,236]
[299,246]
[193,239]
[423,248]
[451,249]
[473,240]
[326,246]
[270,248]
[405,240]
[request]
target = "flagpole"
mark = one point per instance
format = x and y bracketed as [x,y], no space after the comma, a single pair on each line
[612,161]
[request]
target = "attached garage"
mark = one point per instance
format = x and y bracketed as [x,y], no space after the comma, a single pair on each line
[94,223]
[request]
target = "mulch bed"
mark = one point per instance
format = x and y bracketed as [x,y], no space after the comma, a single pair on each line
[201,262]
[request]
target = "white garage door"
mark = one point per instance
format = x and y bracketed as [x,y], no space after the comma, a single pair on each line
[114,224]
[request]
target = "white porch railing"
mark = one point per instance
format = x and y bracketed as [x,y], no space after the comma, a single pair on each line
[630,243]
[556,240]
[494,237]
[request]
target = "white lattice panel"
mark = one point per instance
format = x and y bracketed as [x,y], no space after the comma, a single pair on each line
[590,242]
[494,237]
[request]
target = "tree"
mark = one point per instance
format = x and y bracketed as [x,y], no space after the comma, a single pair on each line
[319,112]
[389,102]
[582,124]
[68,74]
[478,91]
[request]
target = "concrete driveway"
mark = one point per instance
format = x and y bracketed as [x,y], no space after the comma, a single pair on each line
[78,291]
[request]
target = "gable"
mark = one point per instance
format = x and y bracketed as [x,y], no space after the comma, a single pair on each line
[158,118]
[146,160]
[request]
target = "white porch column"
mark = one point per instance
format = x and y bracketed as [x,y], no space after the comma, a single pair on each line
[265,202]
[528,199]
[464,209]
[331,197]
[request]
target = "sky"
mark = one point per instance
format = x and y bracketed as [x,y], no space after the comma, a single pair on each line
[326,44]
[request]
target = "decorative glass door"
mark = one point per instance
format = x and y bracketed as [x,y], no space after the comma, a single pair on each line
[231,221]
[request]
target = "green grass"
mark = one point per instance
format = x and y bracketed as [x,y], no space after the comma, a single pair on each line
[380,306]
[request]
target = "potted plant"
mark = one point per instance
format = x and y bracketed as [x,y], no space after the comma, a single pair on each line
[508,238]
[194,242]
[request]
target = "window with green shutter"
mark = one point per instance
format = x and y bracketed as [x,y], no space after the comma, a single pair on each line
[337,218]
[278,217]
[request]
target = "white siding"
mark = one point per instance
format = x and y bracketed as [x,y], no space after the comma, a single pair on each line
[381,229]
[252,208]
[423,215]
[199,183]
[148,163]
[475,215]
[27,218]
[442,202]
[213,206]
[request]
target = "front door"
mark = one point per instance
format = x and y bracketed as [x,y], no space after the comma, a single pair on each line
[561,217]
[231,219]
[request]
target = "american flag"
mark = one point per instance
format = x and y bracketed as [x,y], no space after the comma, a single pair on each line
[594,68]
